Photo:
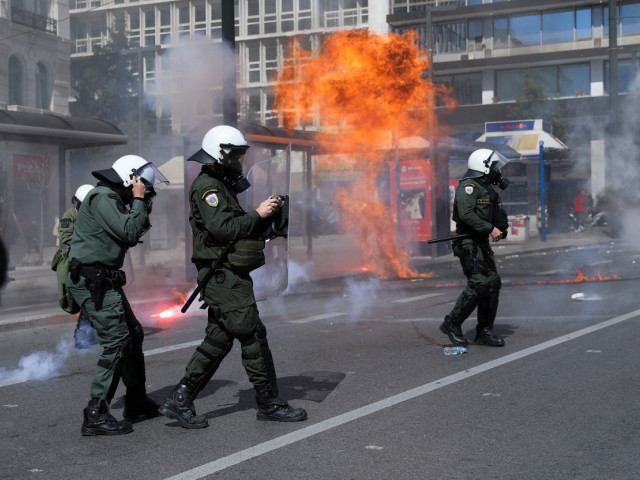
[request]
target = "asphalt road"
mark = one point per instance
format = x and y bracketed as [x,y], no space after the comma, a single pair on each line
[365,358]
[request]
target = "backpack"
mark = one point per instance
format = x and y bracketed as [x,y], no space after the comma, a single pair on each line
[60,265]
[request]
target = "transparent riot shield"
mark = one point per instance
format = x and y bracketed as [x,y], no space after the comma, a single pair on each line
[268,177]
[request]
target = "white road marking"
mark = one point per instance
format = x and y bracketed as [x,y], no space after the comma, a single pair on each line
[323,316]
[279,442]
[415,299]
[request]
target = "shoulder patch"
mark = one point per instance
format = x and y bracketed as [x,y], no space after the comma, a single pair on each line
[65,222]
[207,192]
[211,199]
[468,189]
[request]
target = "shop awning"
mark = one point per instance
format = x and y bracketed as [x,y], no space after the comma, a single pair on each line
[524,136]
[64,130]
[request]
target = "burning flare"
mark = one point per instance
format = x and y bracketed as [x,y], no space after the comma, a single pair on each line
[367,89]
[580,277]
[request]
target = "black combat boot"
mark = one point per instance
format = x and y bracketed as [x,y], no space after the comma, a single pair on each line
[276,409]
[485,336]
[99,421]
[453,331]
[137,404]
[179,406]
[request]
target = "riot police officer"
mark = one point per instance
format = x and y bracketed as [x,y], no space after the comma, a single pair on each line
[84,335]
[478,213]
[217,220]
[113,217]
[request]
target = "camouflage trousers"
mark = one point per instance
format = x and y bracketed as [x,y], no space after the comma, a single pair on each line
[222,329]
[483,283]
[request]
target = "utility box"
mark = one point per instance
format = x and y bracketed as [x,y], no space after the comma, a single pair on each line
[518,228]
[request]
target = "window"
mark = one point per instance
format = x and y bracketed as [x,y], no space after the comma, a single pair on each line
[574,81]
[509,84]
[625,76]
[216,19]
[43,95]
[134,28]
[560,81]
[524,30]
[557,27]
[184,22]
[630,19]
[450,37]
[149,28]
[165,25]
[583,23]
[467,88]
[500,32]
[15,81]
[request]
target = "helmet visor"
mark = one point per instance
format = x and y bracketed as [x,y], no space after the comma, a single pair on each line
[234,156]
[151,177]
[497,160]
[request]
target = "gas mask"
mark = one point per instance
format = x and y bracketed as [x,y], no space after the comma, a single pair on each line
[232,167]
[496,178]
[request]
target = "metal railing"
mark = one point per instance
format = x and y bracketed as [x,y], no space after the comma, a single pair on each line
[33,20]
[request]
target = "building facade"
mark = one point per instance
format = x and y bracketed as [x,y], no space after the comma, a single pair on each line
[486,49]
[159,30]
[36,130]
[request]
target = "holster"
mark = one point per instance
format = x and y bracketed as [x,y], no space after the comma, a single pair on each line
[101,278]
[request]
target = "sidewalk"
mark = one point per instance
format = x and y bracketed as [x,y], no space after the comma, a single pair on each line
[31,298]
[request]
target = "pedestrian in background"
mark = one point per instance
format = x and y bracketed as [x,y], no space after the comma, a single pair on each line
[478,213]
[580,209]
[217,219]
[112,218]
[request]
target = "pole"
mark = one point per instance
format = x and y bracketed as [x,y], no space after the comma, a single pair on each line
[613,68]
[229,93]
[543,217]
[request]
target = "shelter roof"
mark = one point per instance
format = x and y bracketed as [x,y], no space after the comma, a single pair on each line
[65,130]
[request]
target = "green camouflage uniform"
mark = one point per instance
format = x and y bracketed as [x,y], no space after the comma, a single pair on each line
[216,218]
[475,205]
[104,230]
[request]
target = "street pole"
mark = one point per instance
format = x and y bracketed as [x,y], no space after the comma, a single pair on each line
[613,68]
[229,93]
[543,219]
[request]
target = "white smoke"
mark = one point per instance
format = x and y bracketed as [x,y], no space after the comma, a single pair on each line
[40,365]
[357,298]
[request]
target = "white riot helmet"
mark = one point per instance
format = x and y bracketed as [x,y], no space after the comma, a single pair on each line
[485,161]
[125,168]
[224,145]
[81,192]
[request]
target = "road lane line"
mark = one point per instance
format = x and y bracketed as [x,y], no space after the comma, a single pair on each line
[415,299]
[171,348]
[279,442]
[323,316]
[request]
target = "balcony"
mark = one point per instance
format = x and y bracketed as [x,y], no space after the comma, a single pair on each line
[33,20]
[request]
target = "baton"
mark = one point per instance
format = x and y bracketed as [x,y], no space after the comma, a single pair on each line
[215,266]
[447,239]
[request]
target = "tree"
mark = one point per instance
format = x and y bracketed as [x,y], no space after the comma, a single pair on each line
[108,89]
[535,104]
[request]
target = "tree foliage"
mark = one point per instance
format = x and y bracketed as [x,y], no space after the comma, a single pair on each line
[535,104]
[107,88]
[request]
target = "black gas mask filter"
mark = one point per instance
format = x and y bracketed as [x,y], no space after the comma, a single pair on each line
[496,178]
[232,167]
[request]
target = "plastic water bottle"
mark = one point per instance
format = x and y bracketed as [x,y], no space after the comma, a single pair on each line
[455,350]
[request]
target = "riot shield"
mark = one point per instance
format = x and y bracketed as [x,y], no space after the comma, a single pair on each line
[267,177]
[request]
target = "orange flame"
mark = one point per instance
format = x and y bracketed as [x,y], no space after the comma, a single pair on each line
[580,277]
[368,89]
